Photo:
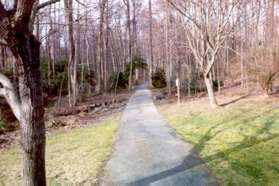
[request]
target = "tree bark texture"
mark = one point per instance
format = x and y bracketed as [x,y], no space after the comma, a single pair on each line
[29,107]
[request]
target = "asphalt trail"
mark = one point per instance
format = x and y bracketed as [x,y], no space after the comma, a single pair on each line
[148,152]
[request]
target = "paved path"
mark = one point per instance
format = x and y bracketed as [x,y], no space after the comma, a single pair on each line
[148,152]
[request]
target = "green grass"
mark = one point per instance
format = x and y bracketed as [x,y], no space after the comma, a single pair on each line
[75,157]
[239,142]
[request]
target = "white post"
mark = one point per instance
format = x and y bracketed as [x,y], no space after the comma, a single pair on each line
[177,83]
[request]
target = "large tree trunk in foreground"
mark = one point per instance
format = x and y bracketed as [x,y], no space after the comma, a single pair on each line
[28,109]
[32,111]
[210,91]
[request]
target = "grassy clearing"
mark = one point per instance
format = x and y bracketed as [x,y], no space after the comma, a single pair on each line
[239,142]
[73,157]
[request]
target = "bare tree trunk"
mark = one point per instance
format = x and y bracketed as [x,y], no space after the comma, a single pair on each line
[127,2]
[87,45]
[242,67]
[29,109]
[167,49]
[178,89]
[151,58]
[3,57]
[105,41]
[78,54]
[72,60]
[52,45]
[218,76]
[210,91]
[32,112]
[100,46]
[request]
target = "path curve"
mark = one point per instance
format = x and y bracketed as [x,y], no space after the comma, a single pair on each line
[148,152]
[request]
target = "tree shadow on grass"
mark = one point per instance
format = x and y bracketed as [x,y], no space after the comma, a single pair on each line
[234,101]
[211,133]
[248,141]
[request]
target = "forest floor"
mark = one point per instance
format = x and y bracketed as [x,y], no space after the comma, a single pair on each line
[64,118]
[239,141]
[78,143]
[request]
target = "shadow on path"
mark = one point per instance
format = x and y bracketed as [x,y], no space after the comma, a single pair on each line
[148,153]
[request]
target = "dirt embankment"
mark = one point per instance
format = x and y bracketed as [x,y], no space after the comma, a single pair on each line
[63,118]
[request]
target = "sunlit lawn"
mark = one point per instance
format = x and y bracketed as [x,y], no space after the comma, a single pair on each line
[239,142]
[73,157]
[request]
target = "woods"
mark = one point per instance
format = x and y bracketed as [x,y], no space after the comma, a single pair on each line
[203,38]
[54,54]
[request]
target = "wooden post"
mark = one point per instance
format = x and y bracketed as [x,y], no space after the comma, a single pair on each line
[177,83]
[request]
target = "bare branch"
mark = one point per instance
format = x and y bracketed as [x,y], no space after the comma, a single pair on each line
[178,9]
[23,13]
[48,34]
[184,14]
[82,4]
[47,3]
[125,2]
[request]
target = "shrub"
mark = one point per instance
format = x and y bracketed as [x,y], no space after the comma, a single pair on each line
[266,81]
[137,63]
[159,79]
[215,84]
[60,77]
[266,66]
[196,86]
[121,80]
[52,87]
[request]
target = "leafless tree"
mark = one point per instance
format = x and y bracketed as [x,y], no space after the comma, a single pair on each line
[207,25]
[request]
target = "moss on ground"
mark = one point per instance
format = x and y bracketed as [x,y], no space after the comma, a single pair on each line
[75,157]
[239,142]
